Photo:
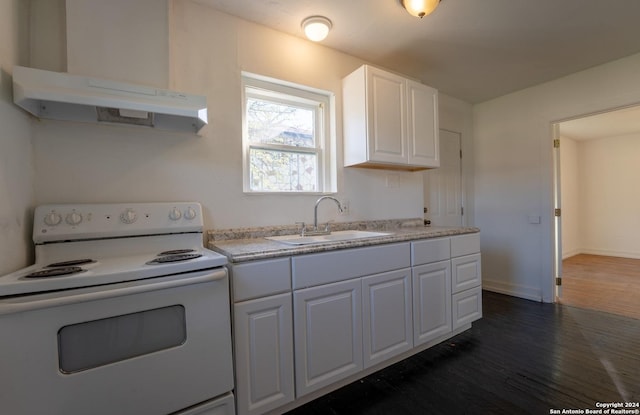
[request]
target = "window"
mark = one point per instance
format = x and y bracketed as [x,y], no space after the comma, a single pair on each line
[287,140]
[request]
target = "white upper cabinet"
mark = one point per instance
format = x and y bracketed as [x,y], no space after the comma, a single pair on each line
[389,121]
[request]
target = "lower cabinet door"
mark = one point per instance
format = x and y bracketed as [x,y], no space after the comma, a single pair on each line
[263,353]
[387,316]
[431,301]
[328,334]
[467,307]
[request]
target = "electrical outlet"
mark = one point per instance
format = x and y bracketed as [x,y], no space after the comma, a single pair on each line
[345,208]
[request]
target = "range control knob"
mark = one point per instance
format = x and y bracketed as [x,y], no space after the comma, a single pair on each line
[128,216]
[52,219]
[175,214]
[190,213]
[73,218]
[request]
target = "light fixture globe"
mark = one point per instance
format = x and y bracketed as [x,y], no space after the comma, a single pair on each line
[316,28]
[420,8]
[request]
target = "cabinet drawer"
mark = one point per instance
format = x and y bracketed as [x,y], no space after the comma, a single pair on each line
[327,267]
[467,307]
[430,250]
[260,278]
[465,244]
[466,272]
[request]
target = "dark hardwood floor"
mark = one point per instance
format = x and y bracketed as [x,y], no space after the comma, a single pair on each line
[522,357]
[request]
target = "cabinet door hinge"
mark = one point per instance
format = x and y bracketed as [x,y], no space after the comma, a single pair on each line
[557,212]
[556,143]
[559,281]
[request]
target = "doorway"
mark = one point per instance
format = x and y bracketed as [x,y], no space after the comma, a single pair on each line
[443,196]
[596,172]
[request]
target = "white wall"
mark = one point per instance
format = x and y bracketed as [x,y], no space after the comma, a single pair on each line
[610,196]
[16,166]
[207,50]
[122,40]
[513,170]
[570,179]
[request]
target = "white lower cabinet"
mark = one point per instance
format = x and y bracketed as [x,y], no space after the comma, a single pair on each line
[387,316]
[344,312]
[328,334]
[431,301]
[467,306]
[466,272]
[263,353]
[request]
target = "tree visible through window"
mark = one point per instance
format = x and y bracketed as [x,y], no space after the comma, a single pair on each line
[283,139]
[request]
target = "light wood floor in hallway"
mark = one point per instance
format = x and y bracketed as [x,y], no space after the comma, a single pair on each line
[604,283]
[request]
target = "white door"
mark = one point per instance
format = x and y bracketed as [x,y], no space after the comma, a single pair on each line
[264,353]
[386,318]
[443,186]
[557,223]
[387,105]
[328,334]
[431,301]
[422,129]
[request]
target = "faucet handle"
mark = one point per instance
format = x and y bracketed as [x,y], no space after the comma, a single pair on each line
[303,228]
[327,226]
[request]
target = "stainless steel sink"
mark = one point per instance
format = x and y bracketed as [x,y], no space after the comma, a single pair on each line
[332,237]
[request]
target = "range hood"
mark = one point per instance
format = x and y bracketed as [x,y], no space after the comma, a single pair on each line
[62,96]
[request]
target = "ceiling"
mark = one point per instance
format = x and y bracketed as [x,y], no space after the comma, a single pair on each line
[474,50]
[623,121]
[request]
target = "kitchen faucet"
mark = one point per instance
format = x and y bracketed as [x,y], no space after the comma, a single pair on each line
[315,230]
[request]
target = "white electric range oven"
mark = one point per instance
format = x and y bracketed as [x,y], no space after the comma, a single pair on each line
[124,312]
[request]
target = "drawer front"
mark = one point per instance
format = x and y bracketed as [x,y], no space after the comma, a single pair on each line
[466,272]
[260,278]
[465,244]
[430,250]
[327,267]
[467,307]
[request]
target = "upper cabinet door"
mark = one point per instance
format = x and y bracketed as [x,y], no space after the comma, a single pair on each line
[389,121]
[423,138]
[387,103]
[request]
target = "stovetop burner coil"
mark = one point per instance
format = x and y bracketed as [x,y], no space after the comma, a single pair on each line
[174,258]
[73,262]
[54,272]
[176,252]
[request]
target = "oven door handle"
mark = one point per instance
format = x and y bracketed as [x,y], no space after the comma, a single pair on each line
[48,300]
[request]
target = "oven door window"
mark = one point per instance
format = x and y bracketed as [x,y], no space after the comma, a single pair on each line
[96,343]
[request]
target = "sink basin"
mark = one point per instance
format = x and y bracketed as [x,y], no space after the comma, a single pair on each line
[332,237]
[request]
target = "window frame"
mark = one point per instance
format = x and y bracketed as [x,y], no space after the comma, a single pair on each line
[287,93]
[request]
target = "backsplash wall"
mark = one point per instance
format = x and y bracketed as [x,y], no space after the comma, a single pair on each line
[207,50]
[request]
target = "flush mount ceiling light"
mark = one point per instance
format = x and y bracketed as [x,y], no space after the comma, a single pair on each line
[316,28]
[420,8]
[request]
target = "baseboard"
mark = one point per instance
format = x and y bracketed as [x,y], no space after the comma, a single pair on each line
[604,252]
[573,252]
[527,293]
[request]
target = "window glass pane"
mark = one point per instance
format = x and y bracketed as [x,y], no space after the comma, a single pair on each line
[275,123]
[281,171]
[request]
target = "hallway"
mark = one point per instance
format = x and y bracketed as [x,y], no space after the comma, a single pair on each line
[604,283]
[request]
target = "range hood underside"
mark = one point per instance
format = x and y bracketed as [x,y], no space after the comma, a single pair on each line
[67,97]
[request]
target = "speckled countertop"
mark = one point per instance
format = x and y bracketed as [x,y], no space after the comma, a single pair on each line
[249,244]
